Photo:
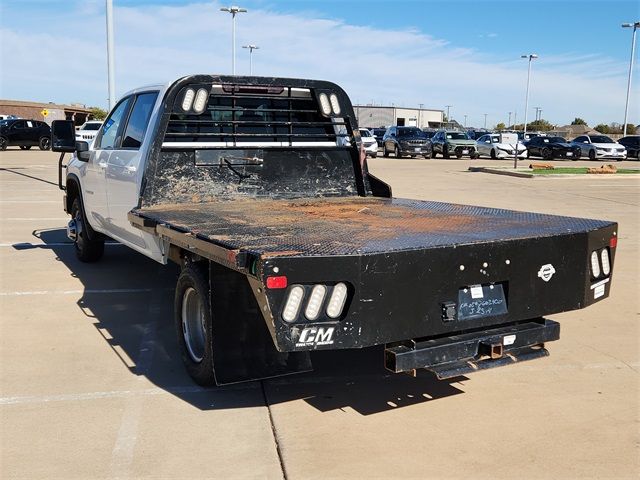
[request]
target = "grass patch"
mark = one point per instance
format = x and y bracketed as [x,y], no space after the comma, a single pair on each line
[580,171]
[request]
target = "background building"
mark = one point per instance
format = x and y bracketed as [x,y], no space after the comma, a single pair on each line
[372,116]
[33,110]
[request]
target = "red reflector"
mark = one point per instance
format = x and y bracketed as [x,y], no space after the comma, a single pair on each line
[613,243]
[277,282]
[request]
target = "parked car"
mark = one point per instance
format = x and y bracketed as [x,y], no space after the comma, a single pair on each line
[406,141]
[378,133]
[429,132]
[24,134]
[8,117]
[452,142]
[500,145]
[369,142]
[551,147]
[632,144]
[525,137]
[599,146]
[88,131]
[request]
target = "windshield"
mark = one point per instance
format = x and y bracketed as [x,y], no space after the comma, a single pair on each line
[457,136]
[411,132]
[91,126]
[365,133]
[600,139]
[495,139]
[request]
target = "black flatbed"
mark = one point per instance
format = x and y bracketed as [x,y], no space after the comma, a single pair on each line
[351,225]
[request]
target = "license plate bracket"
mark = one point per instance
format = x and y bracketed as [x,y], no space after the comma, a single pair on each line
[480,301]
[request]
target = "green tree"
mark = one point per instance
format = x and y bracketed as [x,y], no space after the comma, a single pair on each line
[540,125]
[97,113]
[578,121]
[602,128]
[631,129]
[500,126]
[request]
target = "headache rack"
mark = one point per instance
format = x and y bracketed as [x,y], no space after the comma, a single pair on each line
[253,116]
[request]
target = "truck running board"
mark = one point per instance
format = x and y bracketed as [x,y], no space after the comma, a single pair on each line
[465,353]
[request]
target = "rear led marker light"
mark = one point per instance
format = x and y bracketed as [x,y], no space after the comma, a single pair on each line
[187,101]
[324,104]
[337,300]
[334,103]
[292,306]
[201,101]
[595,265]
[315,302]
[606,265]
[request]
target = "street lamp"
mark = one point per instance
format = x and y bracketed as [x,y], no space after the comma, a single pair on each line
[485,121]
[633,48]
[110,67]
[509,125]
[465,121]
[233,10]
[530,56]
[448,117]
[251,48]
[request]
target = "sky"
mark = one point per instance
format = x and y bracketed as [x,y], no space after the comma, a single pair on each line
[461,53]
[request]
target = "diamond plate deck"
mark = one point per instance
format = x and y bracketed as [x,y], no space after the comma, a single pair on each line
[354,225]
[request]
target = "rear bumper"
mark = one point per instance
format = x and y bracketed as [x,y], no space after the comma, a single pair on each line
[462,354]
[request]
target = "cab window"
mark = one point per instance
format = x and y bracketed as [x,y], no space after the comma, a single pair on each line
[108,137]
[139,120]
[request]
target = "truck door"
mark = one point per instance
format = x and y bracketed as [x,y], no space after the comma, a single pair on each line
[125,168]
[94,181]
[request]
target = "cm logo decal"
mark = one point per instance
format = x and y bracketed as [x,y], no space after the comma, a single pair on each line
[316,336]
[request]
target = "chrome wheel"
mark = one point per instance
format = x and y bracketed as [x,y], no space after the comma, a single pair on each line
[193,324]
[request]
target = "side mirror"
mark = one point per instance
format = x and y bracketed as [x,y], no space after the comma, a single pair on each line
[82,151]
[63,136]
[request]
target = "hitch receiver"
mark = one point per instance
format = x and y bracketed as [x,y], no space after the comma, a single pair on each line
[468,352]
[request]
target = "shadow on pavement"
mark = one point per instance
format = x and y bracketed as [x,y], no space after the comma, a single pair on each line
[129,300]
[13,170]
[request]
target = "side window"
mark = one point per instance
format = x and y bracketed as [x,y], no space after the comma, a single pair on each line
[139,120]
[107,138]
[19,124]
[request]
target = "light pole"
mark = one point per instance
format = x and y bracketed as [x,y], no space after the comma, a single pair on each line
[233,10]
[530,56]
[420,105]
[465,121]
[509,125]
[110,67]
[251,48]
[448,117]
[633,48]
[485,121]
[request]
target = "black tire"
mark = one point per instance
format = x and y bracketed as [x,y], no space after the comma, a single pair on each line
[374,155]
[547,153]
[493,154]
[397,152]
[87,250]
[474,155]
[3,143]
[458,155]
[199,364]
[44,143]
[445,152]
[592,154]
[428,155]
[385,152]
[528,154]
[25,147]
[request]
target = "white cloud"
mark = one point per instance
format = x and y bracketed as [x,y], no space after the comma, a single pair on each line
[406,67]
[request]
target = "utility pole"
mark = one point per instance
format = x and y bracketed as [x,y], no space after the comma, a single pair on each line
[485,121]
[509,124]
[110,62]
[530,56]
[633,49]
[448,117]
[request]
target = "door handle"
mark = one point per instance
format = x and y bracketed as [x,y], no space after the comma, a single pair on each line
[131,168]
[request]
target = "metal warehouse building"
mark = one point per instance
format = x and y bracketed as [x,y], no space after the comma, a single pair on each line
[33,111]
[372,116]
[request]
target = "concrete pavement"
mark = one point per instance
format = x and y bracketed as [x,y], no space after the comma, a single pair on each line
[92,385]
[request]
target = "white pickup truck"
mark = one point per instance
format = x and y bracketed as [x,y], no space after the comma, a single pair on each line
[259,189]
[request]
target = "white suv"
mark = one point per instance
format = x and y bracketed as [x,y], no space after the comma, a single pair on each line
[88,131]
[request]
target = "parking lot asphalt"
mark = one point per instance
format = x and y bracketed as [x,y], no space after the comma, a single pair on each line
[92,385]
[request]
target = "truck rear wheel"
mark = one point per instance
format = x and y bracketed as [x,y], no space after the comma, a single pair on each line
[192,313]
[87,250]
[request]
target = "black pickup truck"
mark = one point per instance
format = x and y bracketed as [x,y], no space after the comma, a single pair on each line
[259,189]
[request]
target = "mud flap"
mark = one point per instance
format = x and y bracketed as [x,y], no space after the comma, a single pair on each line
[243,349]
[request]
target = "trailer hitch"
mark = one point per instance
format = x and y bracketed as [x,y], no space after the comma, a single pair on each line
[465,353]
